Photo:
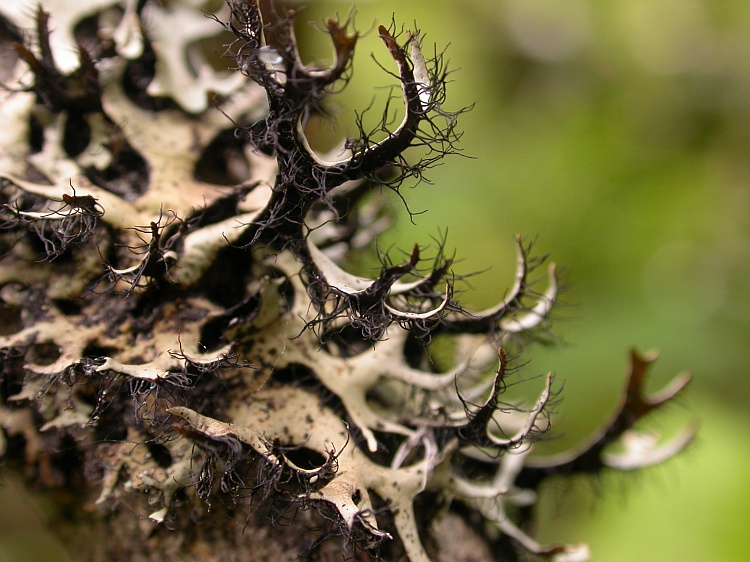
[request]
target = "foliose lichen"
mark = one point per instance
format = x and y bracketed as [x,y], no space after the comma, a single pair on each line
[173,275]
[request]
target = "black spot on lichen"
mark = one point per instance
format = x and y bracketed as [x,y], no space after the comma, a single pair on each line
[11,318]
[160,454]
[76,134]
[128,174]
[43,353]
[223,161]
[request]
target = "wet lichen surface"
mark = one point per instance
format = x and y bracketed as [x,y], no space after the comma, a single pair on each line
[178,329]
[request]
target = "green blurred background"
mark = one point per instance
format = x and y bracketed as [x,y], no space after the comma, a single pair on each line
[616,134]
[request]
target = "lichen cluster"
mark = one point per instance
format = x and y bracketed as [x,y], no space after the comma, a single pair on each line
[174,303]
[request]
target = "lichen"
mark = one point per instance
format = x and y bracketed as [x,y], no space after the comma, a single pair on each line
[174,280]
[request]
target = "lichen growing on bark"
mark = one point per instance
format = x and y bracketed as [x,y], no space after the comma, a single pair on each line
[179,330]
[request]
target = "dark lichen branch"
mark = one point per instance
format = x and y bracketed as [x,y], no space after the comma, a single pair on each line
[591,456]
[58,224]
[156,255]
[267,53]
[370,305]
[78,92]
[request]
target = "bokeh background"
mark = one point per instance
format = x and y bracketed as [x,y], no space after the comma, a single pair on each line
[617,136]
